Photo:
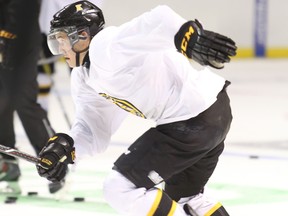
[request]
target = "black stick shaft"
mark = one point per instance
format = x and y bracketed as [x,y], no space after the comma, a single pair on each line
[19,154]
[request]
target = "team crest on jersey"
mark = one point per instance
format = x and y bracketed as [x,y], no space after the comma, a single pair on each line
[125,105]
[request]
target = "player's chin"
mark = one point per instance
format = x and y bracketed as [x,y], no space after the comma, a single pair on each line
[70,63]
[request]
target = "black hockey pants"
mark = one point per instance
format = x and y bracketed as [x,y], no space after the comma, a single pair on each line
[183,154]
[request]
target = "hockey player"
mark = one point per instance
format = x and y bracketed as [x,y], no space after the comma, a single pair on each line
[142,67]
[46,63]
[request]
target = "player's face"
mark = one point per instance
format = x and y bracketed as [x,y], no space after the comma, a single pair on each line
[65,48]
[80,47]
[60,44]
[70,57]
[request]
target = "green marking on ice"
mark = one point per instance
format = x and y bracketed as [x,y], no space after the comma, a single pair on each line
[243,194]
[50,202]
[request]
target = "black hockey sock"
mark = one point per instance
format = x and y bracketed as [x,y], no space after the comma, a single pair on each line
[163,205]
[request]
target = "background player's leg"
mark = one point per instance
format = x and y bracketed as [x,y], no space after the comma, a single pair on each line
[9,168]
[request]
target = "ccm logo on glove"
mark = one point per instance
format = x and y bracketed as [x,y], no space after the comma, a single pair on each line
[185,40]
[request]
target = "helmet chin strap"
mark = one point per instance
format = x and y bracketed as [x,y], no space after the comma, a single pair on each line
[77,57]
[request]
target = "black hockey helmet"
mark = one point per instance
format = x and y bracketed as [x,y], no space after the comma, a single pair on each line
[72,20]
[80,14]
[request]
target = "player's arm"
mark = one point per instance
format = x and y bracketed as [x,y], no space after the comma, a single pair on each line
[55,157]
[203,46]
[189,37]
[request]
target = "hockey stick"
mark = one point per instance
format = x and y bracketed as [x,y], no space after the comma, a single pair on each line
[19,154]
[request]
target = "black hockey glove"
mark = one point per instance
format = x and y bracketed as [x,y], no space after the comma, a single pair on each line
[205,47]
[55,157]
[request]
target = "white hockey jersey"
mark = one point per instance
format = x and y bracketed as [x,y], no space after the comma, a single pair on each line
[136,69]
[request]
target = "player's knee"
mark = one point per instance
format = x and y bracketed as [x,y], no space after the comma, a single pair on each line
[118,191]
[113,184]
[127,199]
[109,186]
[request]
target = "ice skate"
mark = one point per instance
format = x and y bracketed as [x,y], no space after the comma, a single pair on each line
[9,176]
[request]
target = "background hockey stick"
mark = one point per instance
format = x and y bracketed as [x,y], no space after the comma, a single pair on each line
[19,154]
[57,94]
[44,63]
